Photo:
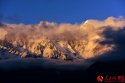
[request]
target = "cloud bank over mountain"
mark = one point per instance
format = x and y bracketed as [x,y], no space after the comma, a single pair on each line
[90,39]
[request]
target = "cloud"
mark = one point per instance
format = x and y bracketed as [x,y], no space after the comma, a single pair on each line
[2,33]
[110,21]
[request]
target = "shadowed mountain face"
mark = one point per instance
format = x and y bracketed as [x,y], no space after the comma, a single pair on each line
[41,70]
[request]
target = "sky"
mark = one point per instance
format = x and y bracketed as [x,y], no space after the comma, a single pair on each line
[59,11]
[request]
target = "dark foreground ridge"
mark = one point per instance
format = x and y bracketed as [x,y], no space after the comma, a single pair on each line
[53,73]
